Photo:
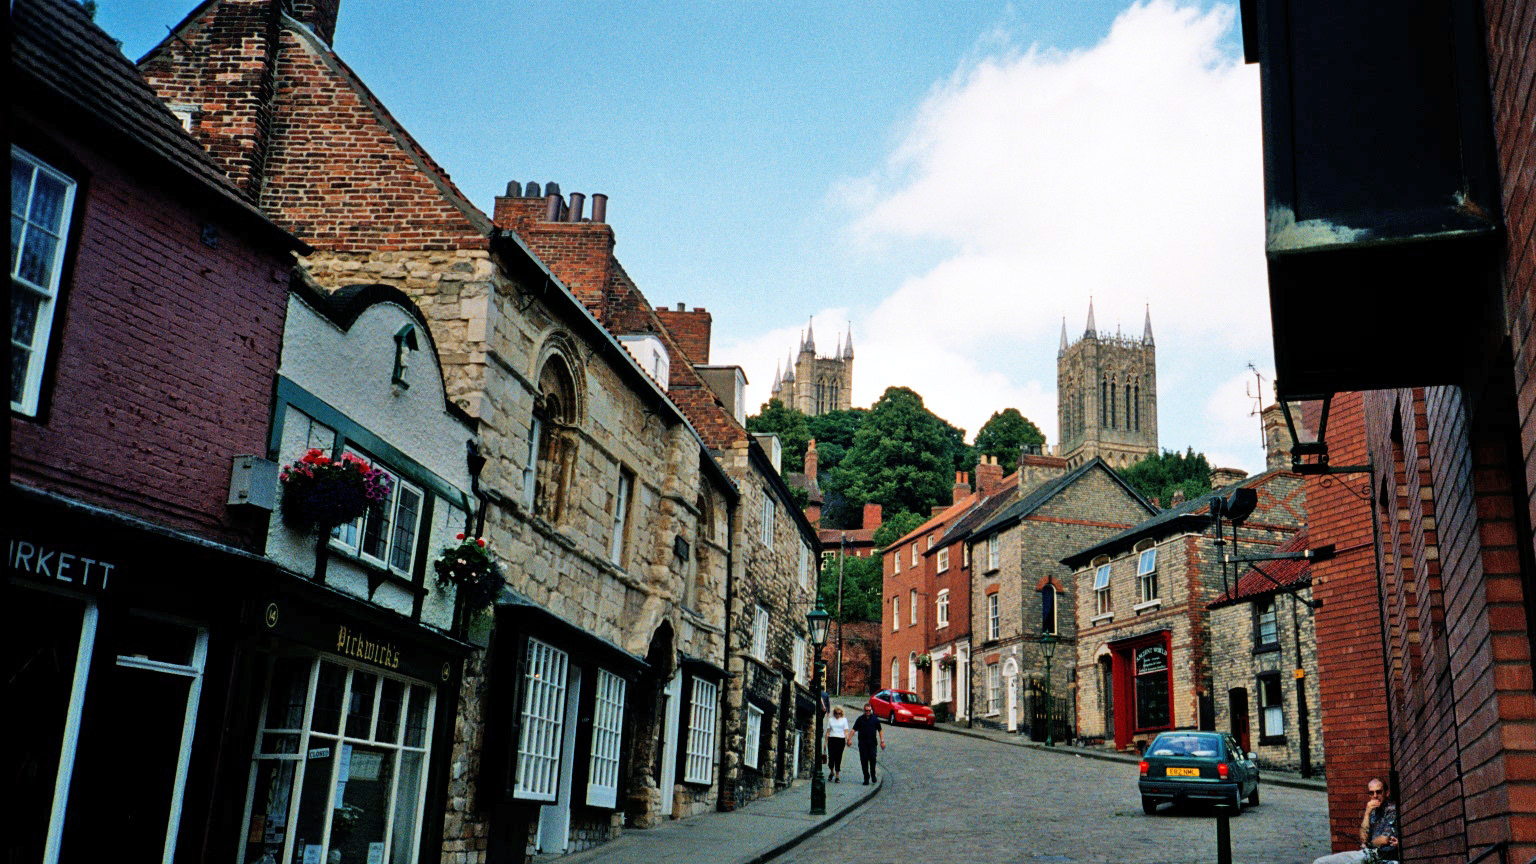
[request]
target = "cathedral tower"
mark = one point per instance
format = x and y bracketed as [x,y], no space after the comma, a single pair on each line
[816,385]
[1106,395]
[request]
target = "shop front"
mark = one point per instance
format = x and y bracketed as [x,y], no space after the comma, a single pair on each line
[1142,702]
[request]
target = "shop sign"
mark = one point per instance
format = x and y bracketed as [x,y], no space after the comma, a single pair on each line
[325,630]
[351,642]
[1153,658]
[43,562]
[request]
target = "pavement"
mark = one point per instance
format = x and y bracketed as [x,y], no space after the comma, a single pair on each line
[1267,777]
[758,832]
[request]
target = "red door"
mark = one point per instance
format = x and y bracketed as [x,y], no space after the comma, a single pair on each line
[1237,702]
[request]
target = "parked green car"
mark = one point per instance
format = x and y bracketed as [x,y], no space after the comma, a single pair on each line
[1203,766]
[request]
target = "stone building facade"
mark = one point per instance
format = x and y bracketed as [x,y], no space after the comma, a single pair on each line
[1264,669]
[1106,395]
[611,516]
[1021,591]
[813,384]
[1144,658]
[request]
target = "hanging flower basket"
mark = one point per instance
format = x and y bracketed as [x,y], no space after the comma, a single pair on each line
[320,493]
[947,661]
[924,660]
[471,566]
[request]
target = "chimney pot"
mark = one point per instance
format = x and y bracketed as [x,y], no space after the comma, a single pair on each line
[599,207]
[552,206]
[578,203]
[551,188]
[514,189]
[682,307]
[532,190]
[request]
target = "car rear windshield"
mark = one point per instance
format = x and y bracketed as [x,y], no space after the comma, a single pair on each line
[1186,745]
[909,698]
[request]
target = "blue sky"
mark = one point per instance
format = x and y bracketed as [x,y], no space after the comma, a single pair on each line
[951,178]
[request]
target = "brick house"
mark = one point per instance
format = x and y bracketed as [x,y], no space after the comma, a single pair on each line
[1021,590]
[1262,633]
[612,520]
[768,706]
[1429,616]
[1143,653]
[147,306]
[916,589]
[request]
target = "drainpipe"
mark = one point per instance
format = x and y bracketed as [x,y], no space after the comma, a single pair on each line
[724,803]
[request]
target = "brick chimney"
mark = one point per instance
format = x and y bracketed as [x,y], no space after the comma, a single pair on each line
[318,15]
[1277,439]
[579,252]
[221,65]
[962,487]
[690,330]
[810,460]
[1222,477]
[872,517]
[1036,468]
[989,475]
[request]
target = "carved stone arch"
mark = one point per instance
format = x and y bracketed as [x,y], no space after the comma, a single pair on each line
[559,407]
[560,350]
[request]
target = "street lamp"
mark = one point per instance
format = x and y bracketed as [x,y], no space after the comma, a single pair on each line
[1048,648]
[816,621]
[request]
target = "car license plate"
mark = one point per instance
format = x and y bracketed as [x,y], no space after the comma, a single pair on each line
[1183,772]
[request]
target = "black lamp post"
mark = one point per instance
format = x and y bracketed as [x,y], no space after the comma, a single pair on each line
[816,622]
[1048,648]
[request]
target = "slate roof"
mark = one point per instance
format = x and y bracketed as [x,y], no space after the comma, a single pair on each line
[1038,496]
[1194,513]
[1287,573]
[981,513]
[56,45]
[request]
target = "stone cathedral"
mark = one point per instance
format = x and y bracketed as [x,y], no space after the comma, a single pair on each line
[816,385]
[1106,395]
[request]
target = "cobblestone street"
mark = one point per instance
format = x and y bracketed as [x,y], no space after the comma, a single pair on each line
[955,798]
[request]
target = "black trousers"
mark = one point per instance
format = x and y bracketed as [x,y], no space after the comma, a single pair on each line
[835,754]
[867,757]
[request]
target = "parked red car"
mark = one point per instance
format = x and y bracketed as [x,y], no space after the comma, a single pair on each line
[901,706]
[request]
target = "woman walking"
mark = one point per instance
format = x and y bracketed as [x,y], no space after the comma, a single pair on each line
[837,739]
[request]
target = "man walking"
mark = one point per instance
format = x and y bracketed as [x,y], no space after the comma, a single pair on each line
[870,733]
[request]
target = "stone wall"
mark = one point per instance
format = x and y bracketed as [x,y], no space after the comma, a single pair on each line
[1237,664]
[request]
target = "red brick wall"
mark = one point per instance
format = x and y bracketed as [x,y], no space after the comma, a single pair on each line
[691,329]
[861,657]
[294,128]
[166,365]
[1349,642]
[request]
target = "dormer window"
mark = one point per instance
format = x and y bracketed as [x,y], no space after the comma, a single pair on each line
[405,343]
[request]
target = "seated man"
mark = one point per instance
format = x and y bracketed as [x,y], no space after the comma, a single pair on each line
[1378,828]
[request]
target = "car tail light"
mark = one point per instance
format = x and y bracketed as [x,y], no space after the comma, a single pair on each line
[1143,767]
[1221,769]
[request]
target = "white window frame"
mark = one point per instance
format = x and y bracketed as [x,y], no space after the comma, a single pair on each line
[942,685]
[309,740]
[930,541]
[543,723]
[994,617]
[992,553]
[699,759]
[1271,715]
[965,556]
[622,497]
[607,738]
[895,613]
[914,553]
[752,744]
[349,536]
[805,566]
[765,531]
[760,633]
[994,688]
[895,674]
[941,609]
[943,559]
[1146,576]
[799,659]
[48,295]
[912,607]
[1101,591]
[896,562]
[531,469]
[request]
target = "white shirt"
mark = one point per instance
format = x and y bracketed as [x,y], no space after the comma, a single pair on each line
[838,726]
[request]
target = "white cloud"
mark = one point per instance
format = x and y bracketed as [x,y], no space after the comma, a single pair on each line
[1129,171]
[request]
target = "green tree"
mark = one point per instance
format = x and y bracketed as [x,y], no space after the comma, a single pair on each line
[902,457]
[862,589]
[897,527]
[791,427]
[1004,433]
[1158,477]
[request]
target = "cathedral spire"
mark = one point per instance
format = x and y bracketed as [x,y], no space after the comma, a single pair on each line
[789,371]
[810,336]
[778,377]
[847,353]
[1063,348]
[1146,335]
[1092,329]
